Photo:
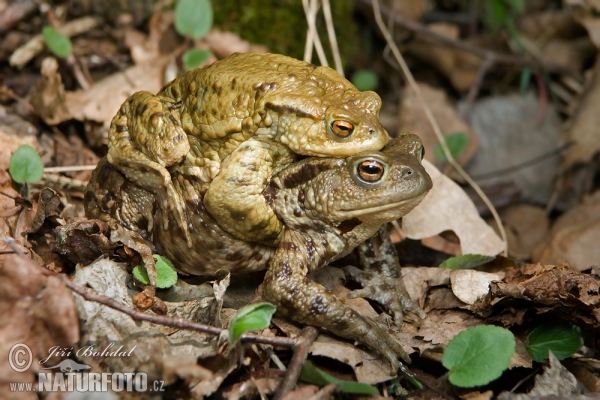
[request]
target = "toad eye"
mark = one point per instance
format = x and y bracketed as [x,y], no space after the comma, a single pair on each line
[422,153]
[342,128]
[370,171]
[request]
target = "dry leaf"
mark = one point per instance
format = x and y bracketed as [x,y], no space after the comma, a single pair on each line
[413,119]
[224,44]
[581,130]
[448,208]
[102,100]
[511,133]
[570,294]
[574,237]
[460,67]
[469,285]
[525,226]
[48,95]
[556,380]
[14,132]
[37,311]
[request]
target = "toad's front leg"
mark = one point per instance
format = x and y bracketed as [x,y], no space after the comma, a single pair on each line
[381,277]
[235,197]
[307,302]
[145,138]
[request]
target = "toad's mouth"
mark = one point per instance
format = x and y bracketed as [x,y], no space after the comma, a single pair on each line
[403,206]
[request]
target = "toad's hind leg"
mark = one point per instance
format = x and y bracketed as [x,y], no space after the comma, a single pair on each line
[235,197]
[145,138]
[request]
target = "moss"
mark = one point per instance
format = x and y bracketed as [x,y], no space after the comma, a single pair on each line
[281,25]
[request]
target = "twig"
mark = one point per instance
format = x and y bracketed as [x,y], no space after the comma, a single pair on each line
[312,36]
[70,168]
[434,124]
[476,86]
[306,338]
[332,38]
[175,322]
[63,182]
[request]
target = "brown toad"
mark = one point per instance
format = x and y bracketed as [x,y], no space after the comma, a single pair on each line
[234,124]
[328,206]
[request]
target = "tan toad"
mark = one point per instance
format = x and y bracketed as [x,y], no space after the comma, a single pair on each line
[234,124]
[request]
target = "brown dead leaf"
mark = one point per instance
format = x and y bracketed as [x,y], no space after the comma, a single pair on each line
[418,281]
[252,388]
[14,132]
[48,202]
[440,326]
[84,241]
[413,119]
[525,226]
[592,25]
[224,44]
[37,311]
[302,393]
[573,237]
[571,294]
[460,67]
[75,153]
[581,130]
[448,208]
[556,380]
[102,100]
[48,95]
[368,367]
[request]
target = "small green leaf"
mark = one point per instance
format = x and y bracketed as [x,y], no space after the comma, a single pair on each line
[194,57]
[141,274]
[166,274]
[193,18]
[254,316]
[312,374]
[478,355]
[58,43]
[365,80]
[466,261]
[26,165]
[457,142]
[562,338]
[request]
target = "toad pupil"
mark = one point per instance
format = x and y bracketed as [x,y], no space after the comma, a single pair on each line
[370,171]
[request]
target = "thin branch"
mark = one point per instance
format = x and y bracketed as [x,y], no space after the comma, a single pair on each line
[312,36]
[304,341]
[332,38]
[434,124]
[71,168]
[476,86]
[174,322]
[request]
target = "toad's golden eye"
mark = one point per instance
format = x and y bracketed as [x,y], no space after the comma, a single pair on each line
[370,171]
[342,128]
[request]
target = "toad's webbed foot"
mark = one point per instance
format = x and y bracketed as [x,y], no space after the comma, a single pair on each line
[381,277]
[145,138]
